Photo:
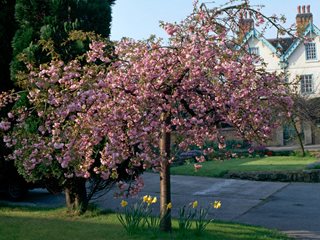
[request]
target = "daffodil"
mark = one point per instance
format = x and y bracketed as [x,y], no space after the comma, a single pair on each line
[195,204]
[216,204]
[145,198]
[149,199]
[154,200]
[169,205]
[123,203]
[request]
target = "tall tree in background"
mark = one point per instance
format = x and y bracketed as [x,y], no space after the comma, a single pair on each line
[30,17]
[51,21]
[7,30]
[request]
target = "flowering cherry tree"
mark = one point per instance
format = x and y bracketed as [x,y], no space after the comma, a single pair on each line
[115,111]
[58,134]
[192,86]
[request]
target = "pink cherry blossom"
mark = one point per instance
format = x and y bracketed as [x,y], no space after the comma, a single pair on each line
[170,29]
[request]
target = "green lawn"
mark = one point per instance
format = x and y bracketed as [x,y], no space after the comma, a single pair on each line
[17,223]
[219,168]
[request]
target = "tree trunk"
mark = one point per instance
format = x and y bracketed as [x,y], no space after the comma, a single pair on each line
[299,135]
[165,191]
[76,195]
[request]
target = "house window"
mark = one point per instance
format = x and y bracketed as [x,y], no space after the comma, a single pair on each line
[254,51]
[306,84]
[311,52]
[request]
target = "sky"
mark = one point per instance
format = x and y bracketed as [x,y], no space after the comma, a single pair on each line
[139,19]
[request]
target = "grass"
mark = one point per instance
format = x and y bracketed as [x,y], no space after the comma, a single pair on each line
[25,223]
[220,168]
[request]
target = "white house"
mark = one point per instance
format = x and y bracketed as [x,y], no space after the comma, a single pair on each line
[297,58]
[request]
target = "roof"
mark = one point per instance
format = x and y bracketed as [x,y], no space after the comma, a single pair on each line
[282,44]
[282,47]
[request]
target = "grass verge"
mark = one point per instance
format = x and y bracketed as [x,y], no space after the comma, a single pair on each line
[25,223]
[220,168]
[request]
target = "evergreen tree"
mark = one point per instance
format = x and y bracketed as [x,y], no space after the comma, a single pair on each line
[7,30]
[30,16]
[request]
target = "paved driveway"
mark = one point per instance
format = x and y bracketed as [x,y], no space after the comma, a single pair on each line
[290,207]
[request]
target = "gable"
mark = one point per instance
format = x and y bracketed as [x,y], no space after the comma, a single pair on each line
[310,30]
[255,34]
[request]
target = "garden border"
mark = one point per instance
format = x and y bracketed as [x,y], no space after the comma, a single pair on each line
[310,175]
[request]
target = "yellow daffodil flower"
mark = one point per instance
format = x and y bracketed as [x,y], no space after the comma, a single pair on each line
[149,199]
[123,203]
[195,204]
[145,198]
[169,206]
[216,204]
[154,200]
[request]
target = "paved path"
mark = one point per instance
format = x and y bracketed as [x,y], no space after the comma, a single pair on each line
[290,207]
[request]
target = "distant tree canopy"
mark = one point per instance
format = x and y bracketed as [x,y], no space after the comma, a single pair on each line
[51,21]
[7,30]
